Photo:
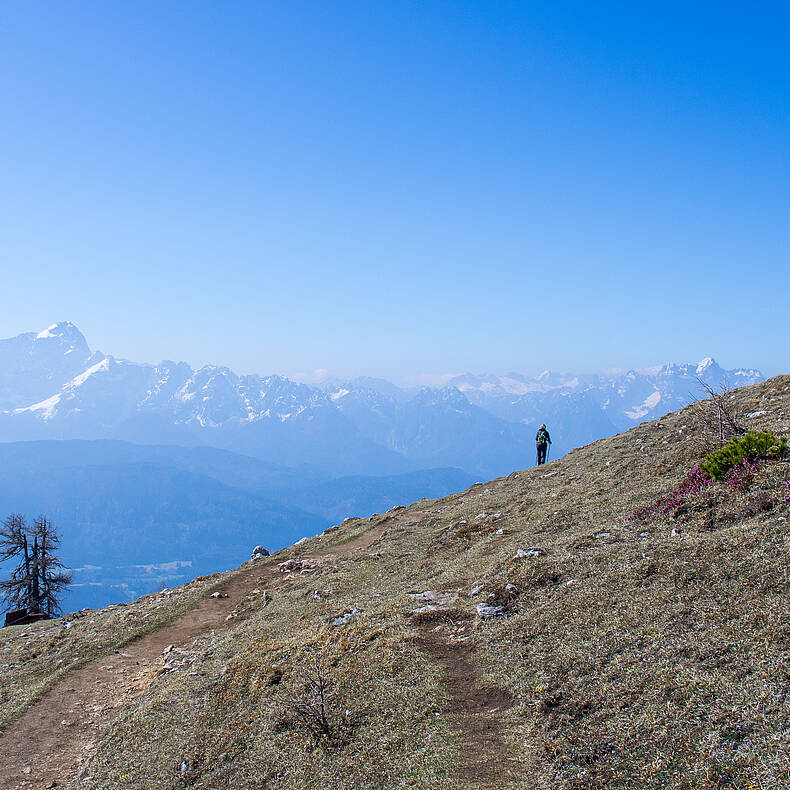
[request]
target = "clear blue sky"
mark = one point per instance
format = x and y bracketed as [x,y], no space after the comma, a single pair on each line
[399,188]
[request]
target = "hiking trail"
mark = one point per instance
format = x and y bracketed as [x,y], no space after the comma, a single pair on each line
[473,709]
[43,748]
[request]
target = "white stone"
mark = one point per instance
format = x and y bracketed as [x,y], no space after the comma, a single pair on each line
[524,554]
[345,617]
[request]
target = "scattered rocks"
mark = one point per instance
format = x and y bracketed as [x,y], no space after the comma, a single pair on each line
[174,658]
[218,595]
[295,565]
[753,414]
[476,590]
[258,553]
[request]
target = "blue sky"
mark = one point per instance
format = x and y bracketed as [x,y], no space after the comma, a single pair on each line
[399,188]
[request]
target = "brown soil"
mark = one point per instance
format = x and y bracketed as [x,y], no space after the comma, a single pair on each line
[44,747]
[473,710]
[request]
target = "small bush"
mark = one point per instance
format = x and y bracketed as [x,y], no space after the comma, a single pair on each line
[312,710]
[695,482]
[750,446]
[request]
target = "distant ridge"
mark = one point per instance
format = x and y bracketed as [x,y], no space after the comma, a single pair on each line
[53,386]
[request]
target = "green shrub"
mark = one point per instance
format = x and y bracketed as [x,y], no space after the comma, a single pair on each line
[751,445]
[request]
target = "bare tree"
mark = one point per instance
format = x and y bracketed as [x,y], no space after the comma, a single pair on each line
[716,415]
[52,577]
[314,708]
[18,590]
[310,706]
[39,577]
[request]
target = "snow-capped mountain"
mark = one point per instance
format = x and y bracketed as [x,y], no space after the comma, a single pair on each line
[53,386]
[622,397]
[34,366]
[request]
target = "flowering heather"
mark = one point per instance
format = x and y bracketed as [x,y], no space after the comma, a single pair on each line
[787,487]
[695,482]
[739,478]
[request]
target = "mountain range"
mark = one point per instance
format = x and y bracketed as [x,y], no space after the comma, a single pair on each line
[588,625]
[52,386]
[158,473]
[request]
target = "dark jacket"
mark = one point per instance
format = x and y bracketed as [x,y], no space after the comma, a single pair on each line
[542,437]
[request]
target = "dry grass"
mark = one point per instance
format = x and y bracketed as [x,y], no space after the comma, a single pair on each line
[634,657]
[35,656]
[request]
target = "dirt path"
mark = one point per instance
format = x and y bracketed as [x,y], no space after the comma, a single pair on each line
[472,709]
[44,746]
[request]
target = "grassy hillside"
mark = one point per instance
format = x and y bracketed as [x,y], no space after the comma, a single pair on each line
[636,645]
[361,495]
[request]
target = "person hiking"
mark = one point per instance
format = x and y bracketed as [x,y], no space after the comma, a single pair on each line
[542,442]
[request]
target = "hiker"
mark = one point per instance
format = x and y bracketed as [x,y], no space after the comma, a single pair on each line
[542,441]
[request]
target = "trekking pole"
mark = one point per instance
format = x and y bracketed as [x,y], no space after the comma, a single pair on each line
[548,447]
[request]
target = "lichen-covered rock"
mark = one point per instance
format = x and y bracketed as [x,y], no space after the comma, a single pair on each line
[348,615]
[258,553]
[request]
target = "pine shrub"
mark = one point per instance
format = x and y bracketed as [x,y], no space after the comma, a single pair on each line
[750,446]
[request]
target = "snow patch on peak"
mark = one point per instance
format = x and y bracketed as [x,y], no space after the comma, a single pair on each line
[341,393]
[704,364]
[103,365]
[60,329]
[48,332]
[45,409]
[650,402]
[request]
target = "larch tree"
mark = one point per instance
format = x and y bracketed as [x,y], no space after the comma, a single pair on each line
[39,578]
